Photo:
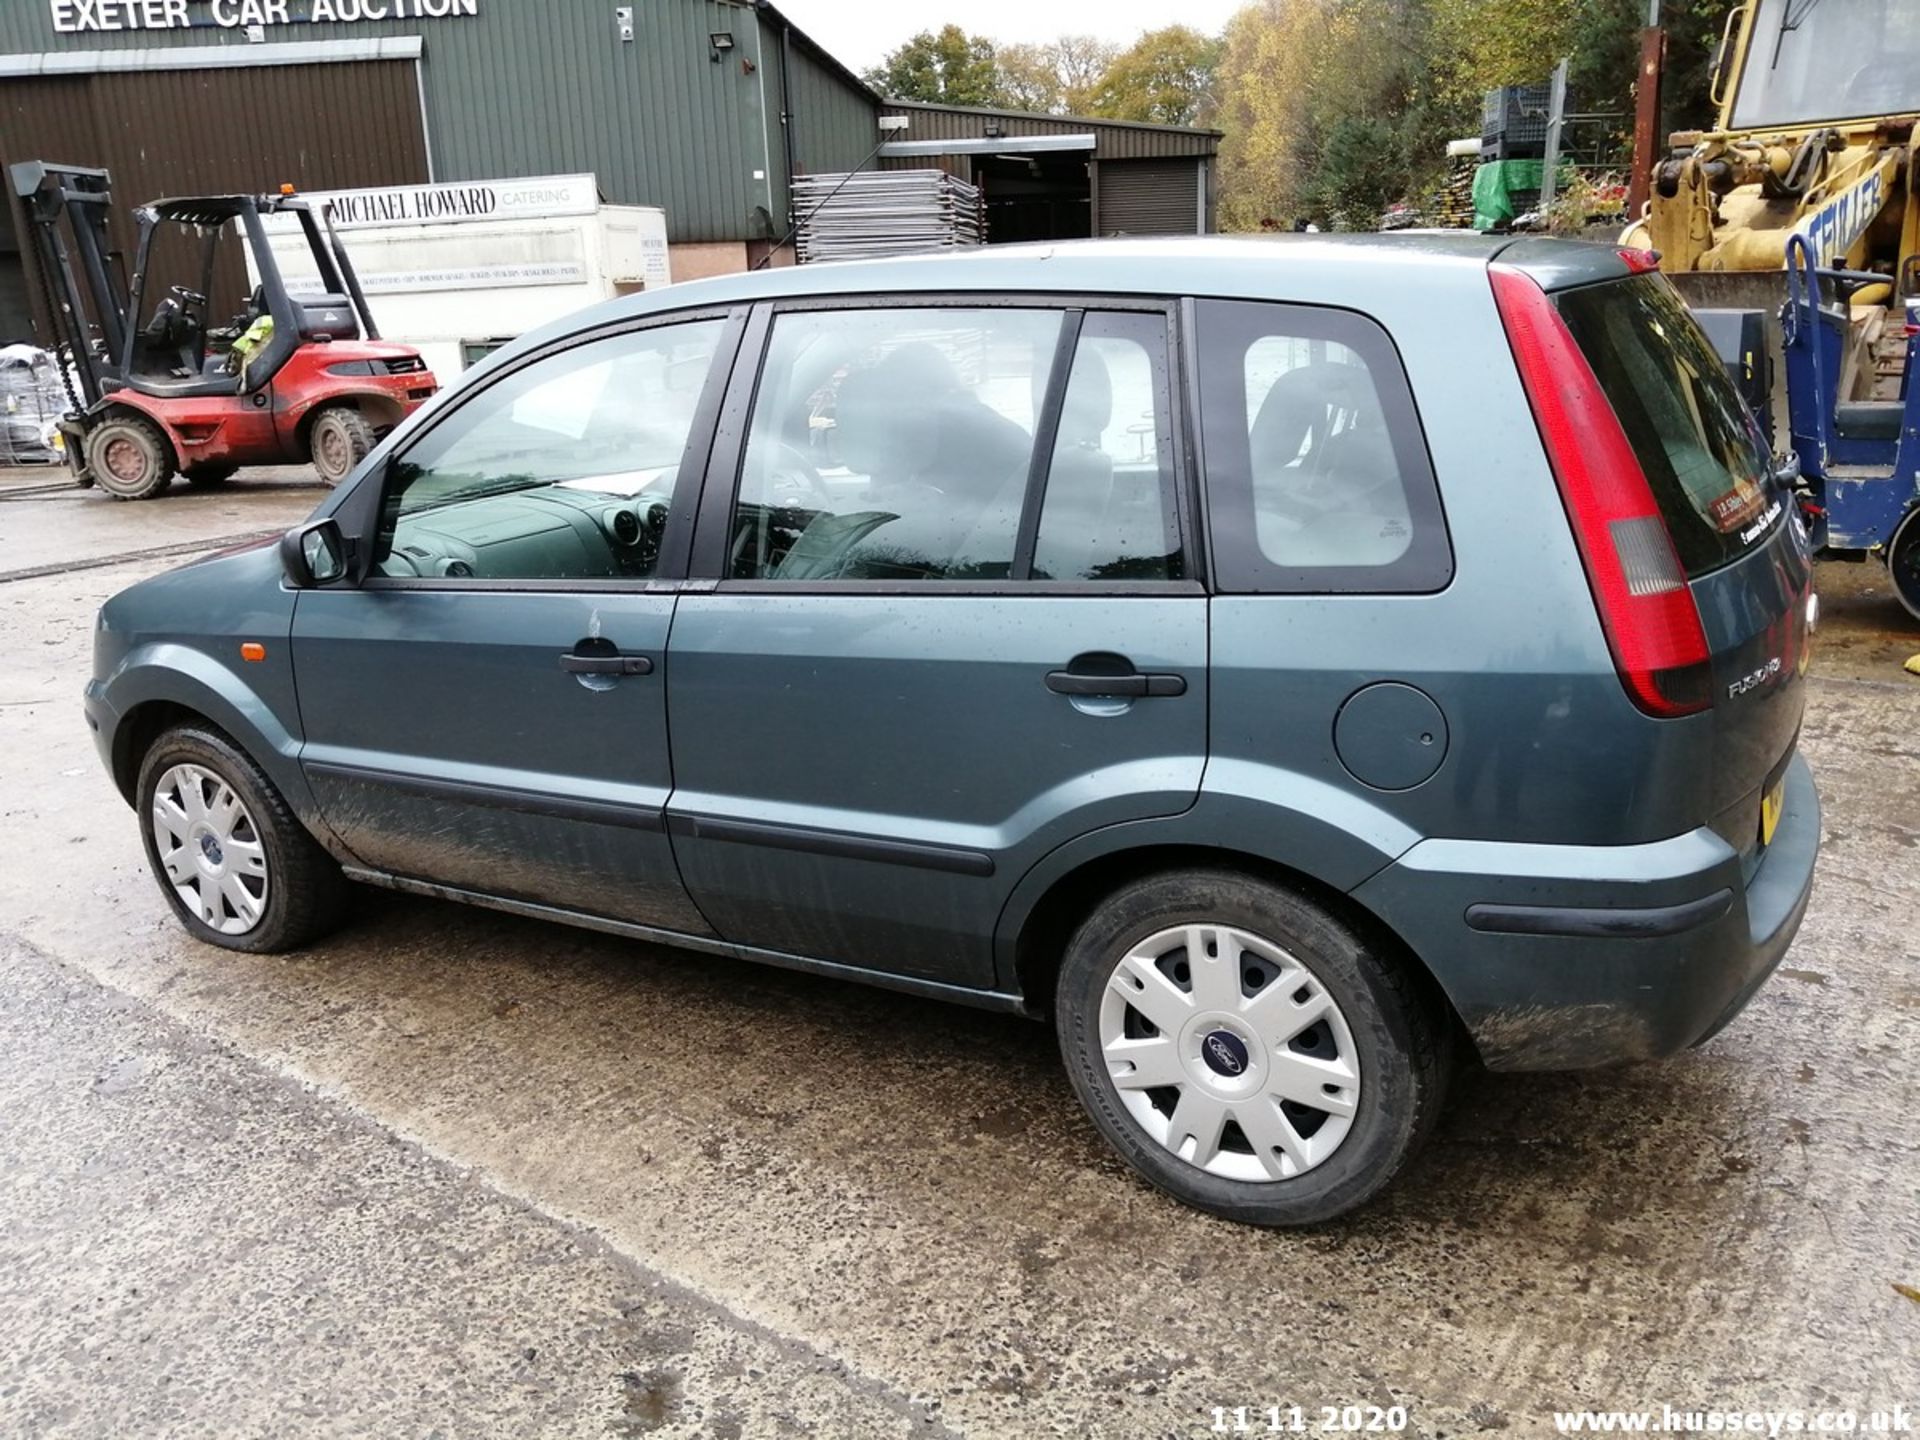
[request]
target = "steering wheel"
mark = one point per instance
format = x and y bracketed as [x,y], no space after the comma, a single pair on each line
[186,296]
[791,483]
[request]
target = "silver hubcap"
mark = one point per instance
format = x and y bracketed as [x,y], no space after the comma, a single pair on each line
[209,849]
[1229,1053]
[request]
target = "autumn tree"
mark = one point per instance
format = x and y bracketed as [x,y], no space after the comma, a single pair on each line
[1480,45]
[1080,61]
[1329,109]
[948,67]
[1166,77]
[1029,79]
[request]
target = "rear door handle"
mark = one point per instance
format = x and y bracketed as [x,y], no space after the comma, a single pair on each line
[606,664]
[1103,675]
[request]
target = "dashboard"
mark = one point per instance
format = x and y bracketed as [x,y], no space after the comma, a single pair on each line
[595,527]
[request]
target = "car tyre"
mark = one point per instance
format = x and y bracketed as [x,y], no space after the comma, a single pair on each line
[129,458]
[208,851]
[1903,562]
[340,439]
[1254,958]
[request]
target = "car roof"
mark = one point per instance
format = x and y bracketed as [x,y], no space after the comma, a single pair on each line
[1263,267]
[1337,270]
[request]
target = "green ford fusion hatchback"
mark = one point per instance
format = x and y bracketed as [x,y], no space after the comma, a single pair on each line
[1286,666]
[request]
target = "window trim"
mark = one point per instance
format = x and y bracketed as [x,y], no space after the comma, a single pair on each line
[726,461]
[1046,439]
[1168,451]
[1241,567]
[361,510]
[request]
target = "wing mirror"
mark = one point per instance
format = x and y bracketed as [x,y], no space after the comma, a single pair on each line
[314,554]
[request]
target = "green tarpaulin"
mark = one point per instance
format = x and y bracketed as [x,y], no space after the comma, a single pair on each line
[1496,183]
[1504,190]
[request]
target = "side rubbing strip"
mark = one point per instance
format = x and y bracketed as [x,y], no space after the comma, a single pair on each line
[1600,922]
[499,797]
[845,847]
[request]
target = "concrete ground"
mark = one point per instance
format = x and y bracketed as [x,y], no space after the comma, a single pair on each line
[455,1174]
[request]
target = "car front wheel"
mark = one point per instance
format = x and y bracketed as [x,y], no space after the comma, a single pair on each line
[238,868]
[1245,1050]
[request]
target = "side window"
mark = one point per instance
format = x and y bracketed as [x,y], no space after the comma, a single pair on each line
[565,469]
[891,444]
[1317,472]
[1110,511]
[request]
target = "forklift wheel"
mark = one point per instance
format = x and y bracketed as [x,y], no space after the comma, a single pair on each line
[129,458]
[1903,562]
[340,440]
[209,475]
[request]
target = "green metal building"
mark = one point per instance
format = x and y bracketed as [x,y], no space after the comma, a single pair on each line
[704,108]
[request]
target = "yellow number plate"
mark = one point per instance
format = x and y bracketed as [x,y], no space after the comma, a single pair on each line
[1771,804]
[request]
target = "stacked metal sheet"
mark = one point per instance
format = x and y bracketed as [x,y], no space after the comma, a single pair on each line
[876,213]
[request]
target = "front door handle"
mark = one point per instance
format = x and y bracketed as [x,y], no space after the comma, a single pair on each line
[1107,675]
[600,657]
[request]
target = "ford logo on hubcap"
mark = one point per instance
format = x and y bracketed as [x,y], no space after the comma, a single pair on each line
[1225,1053]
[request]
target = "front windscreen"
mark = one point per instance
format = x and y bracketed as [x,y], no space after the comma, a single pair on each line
[1811,60]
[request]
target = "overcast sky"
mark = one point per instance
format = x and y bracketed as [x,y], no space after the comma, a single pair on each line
[859,33]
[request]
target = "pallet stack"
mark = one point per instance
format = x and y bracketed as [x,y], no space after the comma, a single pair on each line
[876,213]
[1451,205]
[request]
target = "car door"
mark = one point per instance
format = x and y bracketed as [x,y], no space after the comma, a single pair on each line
[953,623]
[487,711]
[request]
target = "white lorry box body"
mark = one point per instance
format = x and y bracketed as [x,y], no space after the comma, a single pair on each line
[457,269]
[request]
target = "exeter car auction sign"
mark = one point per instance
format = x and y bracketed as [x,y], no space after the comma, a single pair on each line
[73,17]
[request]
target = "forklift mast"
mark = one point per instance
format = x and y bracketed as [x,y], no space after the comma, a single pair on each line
[50,192]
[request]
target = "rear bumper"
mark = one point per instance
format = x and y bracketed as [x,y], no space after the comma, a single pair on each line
[1564,957]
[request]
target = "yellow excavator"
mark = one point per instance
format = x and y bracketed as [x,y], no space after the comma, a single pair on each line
[1817,103]
[1793,228]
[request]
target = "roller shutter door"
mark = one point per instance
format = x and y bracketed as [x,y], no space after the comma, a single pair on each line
[1149,197]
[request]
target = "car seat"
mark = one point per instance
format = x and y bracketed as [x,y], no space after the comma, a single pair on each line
[1326,485]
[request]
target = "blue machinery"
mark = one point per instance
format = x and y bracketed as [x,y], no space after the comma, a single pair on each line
[1860,460]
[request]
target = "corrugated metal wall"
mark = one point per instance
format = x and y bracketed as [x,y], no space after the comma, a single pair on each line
[1113,139]
[530,87]
[1149,197]
[833,122]
[1146,179]
[359,124]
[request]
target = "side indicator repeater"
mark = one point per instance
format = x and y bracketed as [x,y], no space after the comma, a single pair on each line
[253,652]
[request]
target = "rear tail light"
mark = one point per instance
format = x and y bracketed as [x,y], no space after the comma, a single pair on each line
[1646,608]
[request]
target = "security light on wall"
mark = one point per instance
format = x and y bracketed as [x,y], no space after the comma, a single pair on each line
[893,122]
[721,41]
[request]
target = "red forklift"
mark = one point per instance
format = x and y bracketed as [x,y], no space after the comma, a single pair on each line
[289,379]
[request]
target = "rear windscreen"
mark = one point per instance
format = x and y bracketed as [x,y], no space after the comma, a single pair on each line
[1695,438]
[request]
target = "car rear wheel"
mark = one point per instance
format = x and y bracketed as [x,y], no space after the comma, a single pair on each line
[340,439]
[129,458]
[238,868]
[1245,1050]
